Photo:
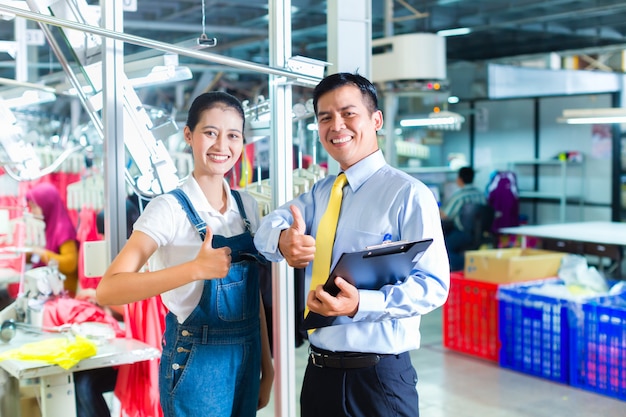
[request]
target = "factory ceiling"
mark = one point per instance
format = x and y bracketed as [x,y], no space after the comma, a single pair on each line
[499,31]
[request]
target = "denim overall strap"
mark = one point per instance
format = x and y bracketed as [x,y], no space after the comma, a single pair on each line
[194,218]
[242,211]
[197,221]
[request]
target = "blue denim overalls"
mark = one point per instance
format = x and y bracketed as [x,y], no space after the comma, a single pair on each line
[211,364]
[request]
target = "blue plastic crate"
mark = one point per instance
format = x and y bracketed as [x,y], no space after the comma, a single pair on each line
[598,345]
[534,331]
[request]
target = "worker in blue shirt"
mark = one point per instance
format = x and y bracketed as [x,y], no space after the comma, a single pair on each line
[360,365]
[456,237]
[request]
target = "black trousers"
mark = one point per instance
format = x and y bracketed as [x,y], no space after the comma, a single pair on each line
[90,385]
[387,389]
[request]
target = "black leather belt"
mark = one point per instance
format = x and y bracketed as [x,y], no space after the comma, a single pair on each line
[342,360]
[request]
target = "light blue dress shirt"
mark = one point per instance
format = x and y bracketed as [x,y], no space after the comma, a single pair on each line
[379,200]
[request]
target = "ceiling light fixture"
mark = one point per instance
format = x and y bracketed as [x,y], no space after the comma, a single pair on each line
[454,32]
[162,74]
[593,116]
[445,120]
[25,98]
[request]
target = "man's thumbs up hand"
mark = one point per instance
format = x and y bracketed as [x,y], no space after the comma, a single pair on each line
[297,248]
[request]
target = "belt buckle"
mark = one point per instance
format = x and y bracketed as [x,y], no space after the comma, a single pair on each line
[314,356]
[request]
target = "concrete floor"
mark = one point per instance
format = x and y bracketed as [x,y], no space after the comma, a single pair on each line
[453,384]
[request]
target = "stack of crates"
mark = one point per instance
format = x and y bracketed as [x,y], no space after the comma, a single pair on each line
[581,343]
[470,316]
[498,312]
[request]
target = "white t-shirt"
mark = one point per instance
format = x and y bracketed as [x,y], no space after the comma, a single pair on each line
[165,221]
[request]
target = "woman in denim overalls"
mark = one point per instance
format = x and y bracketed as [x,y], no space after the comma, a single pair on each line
[202,260]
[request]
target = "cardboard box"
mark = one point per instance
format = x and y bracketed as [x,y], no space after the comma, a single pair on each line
[503,266]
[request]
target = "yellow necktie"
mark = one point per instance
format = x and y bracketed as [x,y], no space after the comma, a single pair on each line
[325,238]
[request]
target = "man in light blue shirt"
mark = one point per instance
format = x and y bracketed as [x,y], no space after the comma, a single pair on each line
[360,365]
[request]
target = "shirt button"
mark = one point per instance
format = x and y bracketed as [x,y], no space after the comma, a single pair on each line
[180,349]
[185,333]
[176,367]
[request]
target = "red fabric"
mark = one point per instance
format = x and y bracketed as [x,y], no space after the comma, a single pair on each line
[18,260]
[61,311]
[14,204]
[138,384]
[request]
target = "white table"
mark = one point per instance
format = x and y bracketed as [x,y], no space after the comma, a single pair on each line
[609,233]
[596,237]
[56,385]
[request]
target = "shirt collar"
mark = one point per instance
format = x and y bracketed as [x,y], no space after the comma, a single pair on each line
[200,203]
[360,172]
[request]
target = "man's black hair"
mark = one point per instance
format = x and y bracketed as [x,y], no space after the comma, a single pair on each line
[341,79]
[467,175]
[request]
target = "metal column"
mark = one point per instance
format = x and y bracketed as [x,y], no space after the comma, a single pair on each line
[113,118]
[349,20]
[281,149]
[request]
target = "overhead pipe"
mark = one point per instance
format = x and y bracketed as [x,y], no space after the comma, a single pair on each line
[162,46]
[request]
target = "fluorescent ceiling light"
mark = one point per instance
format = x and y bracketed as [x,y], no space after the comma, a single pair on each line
[162,74]
[440,120]
[144,72]
[595,120]
[28,98]
[10,47]
[454,32]
[593,116]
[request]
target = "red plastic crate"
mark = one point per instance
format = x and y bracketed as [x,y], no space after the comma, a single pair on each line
[470,318]
[598,346]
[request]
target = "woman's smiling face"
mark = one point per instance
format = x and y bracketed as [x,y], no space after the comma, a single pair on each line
[216,140]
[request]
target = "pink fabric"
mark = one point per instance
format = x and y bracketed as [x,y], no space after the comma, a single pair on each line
[17,262]
[138,384]
[59,226]
[61,311]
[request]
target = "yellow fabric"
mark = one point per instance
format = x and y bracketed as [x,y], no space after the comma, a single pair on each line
[63,351]
[325,238]
[246,170]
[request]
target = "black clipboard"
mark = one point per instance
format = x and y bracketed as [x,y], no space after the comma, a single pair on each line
[370,269]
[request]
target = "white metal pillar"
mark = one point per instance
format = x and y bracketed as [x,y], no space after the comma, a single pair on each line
[391,99]
[349,37]
[349,42]
[21,53]
[113,120]
[281,150]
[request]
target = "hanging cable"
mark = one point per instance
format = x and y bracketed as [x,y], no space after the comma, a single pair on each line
[204,40]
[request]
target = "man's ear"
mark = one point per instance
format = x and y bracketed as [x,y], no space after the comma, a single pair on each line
[378,119]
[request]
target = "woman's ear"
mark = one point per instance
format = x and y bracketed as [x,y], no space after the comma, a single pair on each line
[187,133]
